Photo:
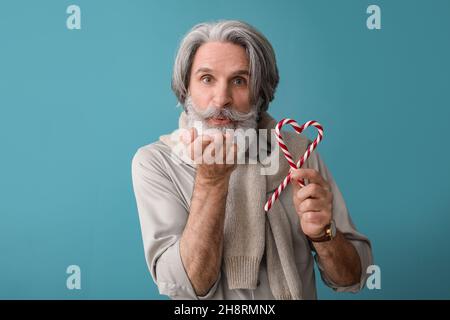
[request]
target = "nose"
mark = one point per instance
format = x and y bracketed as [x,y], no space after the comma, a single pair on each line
[222,96]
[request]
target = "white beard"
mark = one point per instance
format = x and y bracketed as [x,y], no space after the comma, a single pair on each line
[239,120]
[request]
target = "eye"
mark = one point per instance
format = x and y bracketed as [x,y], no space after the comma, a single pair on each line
[240,81]
[206,79]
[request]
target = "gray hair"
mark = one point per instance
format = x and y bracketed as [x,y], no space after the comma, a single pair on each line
[262,63]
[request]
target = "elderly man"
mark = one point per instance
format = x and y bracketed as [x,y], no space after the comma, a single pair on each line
[205,232]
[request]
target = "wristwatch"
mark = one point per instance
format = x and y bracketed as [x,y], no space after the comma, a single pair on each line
[330,233]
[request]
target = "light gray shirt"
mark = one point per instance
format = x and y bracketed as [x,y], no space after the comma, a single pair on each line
[163,189]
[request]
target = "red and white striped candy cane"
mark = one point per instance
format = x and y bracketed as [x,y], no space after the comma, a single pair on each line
[309,150]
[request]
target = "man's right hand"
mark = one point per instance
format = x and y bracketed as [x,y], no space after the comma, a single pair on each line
[202,256]
[213,152]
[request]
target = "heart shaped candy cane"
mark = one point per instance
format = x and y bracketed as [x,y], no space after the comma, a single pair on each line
[301,161]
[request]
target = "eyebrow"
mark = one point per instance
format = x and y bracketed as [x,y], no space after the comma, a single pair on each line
[235,73]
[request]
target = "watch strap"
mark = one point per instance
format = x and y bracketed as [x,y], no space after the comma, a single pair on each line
[326,237]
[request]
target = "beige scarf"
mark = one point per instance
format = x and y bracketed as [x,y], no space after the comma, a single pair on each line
[249,232]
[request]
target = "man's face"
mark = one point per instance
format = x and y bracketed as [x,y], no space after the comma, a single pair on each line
[219,84]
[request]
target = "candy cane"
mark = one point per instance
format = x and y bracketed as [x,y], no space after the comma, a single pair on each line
[309,150]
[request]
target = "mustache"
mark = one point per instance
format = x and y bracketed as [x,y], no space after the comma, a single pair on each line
[218,112]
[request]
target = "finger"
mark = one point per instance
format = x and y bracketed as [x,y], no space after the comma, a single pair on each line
[208,156]
[197,147]
[194,133]
[315,217]
[312,190]
[297,183]
[214,153]
[188,135]
[312,175]
[311,204]
[231,149]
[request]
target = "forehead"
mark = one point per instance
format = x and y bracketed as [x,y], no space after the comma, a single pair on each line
[220,57]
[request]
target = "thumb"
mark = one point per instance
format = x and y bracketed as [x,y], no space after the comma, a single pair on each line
[296,182]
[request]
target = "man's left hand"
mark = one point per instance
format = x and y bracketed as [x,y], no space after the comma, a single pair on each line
[313,203]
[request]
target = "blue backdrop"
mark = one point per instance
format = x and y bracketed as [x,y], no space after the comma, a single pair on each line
[76,104]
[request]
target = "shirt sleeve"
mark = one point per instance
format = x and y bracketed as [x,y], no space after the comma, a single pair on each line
[345,225]
[162,216]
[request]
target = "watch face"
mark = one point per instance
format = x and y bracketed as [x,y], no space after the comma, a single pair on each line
[333,228]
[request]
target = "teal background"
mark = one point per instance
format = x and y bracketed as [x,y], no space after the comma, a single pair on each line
[76,104]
